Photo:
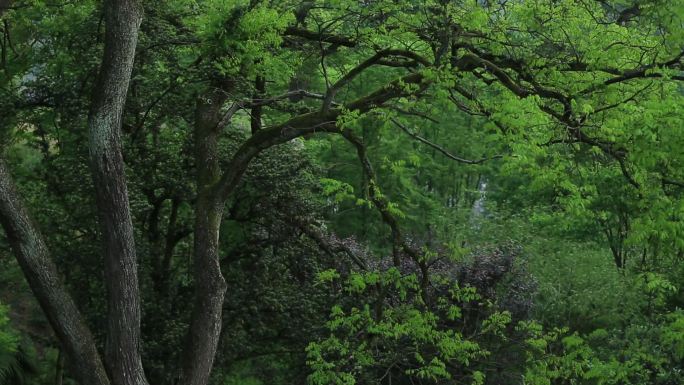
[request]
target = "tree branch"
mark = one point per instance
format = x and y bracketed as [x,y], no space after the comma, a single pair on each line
[320,36]
[440,148]
[319,121]
[356,71]
[34,259]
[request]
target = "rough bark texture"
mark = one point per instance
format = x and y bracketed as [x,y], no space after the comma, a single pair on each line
[210,286]
[122,20]
[41,274]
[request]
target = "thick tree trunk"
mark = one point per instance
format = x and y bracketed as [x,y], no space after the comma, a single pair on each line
[122,20]
[210,286]
[41,274]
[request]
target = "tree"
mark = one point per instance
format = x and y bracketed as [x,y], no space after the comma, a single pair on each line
[123,360]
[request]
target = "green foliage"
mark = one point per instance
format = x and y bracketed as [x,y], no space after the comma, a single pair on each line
[377,341]
[16,367]
[9,340]
[673,334]
[340,191]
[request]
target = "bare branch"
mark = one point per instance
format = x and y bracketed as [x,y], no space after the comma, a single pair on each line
[320,37]
[356,71]
[440,148]
[330,244]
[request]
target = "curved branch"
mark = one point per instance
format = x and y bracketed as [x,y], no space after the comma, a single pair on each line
[379,201]
[399,243]
[356,71]
[642,72]
[440,148]
[471,61]
[305,124]
[41,273]
[320,36]
[330,243]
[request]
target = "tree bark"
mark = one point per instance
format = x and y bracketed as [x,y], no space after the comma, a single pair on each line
[122,22]
[41,273]
[4,5]
[210,286]
[260,89]
[59,368]
[173,235]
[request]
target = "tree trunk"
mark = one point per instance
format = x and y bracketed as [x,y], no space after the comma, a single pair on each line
[122,20]
[210,286]
[255,116]
[4,5]
[59,308]
[59,368]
